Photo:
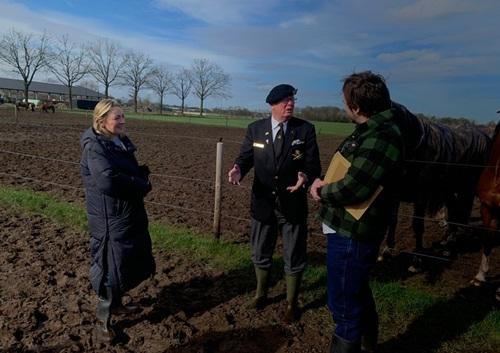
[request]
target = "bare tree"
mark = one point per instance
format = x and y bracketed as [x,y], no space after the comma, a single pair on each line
[25,53]
[68,64]
[181,86]
[106,62]
[209,80]
[161,83]
[137,72]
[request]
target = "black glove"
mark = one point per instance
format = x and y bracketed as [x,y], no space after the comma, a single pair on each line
[144,170]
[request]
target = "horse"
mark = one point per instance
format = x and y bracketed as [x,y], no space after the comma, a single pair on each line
[25,105]
[488,192]
[46,106]
[442,167]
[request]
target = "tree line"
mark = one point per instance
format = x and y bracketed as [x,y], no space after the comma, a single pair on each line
[27,54]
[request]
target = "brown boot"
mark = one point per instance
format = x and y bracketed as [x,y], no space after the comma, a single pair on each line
[259,301]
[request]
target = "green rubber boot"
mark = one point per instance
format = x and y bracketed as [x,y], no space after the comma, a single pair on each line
[105,332]
[292,296]
[258,302]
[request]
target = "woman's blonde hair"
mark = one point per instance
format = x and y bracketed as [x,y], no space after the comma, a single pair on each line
[101,110]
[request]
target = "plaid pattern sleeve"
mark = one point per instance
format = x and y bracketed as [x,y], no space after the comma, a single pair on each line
[375,151]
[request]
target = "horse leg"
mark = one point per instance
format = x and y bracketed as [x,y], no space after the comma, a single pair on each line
[487,241]
[484,267]
[390,239]
[418,225]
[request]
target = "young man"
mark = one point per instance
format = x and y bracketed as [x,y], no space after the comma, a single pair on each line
[375,150]
[284,153]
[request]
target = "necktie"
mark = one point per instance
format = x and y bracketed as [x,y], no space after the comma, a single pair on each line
[278,142]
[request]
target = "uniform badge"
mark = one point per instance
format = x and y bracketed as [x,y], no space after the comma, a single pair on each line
[258,145]
[297,155]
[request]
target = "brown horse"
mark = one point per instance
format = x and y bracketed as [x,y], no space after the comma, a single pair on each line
[488,192]
[46,106]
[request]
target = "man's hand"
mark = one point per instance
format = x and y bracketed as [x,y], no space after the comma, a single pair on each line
[234,175]
[301,181]
[316,189]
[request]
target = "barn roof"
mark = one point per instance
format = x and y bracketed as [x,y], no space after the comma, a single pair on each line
[51,88]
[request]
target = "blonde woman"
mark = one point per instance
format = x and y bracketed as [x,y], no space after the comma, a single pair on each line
[115,186]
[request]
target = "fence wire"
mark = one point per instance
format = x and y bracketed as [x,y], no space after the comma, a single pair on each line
[19,176]
[216,139]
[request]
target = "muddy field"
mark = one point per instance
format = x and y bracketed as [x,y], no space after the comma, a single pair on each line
[46,304]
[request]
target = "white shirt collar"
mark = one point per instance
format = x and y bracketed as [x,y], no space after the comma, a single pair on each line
[275,127]
[275,123]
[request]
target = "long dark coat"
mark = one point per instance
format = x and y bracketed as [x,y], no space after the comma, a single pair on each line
[115,186]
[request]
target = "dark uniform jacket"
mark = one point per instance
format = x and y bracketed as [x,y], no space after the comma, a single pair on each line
[115,187]
[300,153]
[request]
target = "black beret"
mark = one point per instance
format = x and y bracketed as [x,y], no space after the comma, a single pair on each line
[280,92]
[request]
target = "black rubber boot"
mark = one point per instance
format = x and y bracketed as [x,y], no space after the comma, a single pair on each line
[258,302]
[340,345]
[105,332]
[292,296]
[369,339]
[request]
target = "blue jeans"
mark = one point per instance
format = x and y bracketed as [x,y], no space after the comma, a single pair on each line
[350,298]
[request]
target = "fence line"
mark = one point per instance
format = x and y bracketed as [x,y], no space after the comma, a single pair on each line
[428,219]
[239,143]
[38,157]
[77,163]
[42,181]
[150,202]
[462,262]
[462,225]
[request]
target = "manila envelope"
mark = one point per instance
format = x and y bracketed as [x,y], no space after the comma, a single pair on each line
[336,171]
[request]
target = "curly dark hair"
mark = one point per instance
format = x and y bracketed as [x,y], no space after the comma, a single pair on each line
[366,91]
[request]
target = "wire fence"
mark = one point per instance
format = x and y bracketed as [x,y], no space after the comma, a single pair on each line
[197,211]
[211,182]
[214,139]
[167,176]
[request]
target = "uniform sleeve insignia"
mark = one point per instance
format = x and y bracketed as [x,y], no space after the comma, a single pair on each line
[297,155]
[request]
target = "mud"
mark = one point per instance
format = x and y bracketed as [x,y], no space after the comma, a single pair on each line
[47,305]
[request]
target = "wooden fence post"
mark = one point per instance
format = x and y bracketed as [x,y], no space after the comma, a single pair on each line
[218,189]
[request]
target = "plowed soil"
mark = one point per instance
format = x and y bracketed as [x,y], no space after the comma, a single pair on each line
[47,305]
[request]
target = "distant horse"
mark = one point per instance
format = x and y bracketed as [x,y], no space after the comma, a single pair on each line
[46,106]
[442,168]
[25,105]
[488,192]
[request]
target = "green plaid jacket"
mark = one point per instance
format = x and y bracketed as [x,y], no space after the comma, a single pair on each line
[375,151]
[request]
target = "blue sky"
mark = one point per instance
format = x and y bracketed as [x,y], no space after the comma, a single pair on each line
[440,57]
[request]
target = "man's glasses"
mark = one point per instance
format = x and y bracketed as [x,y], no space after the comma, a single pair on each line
[288,100]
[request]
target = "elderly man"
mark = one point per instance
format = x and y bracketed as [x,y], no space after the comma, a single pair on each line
[284,153]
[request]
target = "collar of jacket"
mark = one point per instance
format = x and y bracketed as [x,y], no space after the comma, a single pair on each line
[375,121]
[109,144]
